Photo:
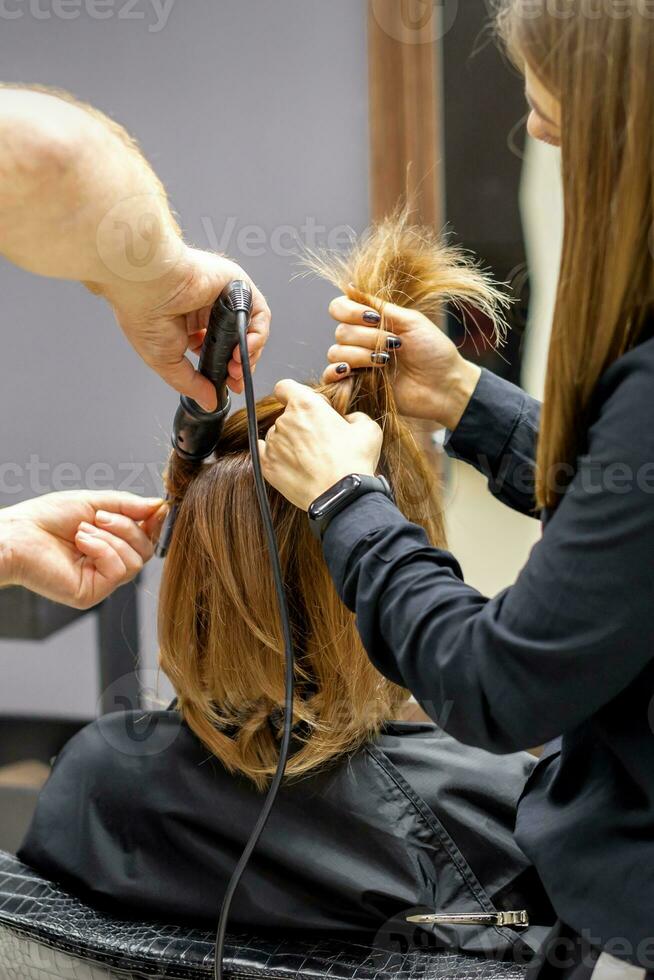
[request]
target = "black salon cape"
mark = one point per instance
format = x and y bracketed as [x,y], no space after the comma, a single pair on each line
[139,817]
[568,650]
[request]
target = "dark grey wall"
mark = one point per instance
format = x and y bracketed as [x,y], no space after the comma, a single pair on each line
[288,79]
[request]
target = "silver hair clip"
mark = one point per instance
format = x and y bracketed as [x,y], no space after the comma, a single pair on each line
[503,920]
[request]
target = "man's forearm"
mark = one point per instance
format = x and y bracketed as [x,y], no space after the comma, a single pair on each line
[7,561]
[77,199]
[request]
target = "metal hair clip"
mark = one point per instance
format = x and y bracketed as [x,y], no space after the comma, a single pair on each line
[503,920]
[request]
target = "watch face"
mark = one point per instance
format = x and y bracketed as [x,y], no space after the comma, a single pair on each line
[322,507]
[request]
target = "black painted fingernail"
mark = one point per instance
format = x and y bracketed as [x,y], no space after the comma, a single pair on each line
[380,357]
[393,343]
[371,317]
[342,368]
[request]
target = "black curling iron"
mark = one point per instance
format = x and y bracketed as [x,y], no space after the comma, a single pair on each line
[196,435]
[196,432]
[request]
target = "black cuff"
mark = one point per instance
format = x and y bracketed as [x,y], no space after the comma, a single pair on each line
[360,519]
[488,423]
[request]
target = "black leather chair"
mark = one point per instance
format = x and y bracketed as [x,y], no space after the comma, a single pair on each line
[46,933]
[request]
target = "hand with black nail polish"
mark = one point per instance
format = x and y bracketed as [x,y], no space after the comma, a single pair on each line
[430,378]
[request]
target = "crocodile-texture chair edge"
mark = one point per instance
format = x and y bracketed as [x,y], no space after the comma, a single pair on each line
[46,932]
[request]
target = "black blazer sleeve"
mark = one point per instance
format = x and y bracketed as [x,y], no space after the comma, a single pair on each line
[576,628]
[497,435]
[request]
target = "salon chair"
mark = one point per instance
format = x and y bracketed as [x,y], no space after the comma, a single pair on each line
[25,616]
[46,933]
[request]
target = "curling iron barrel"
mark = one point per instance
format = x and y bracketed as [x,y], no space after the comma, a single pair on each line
[196,433]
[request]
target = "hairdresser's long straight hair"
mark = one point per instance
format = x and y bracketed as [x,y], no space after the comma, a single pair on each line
[600,64]
[219,627]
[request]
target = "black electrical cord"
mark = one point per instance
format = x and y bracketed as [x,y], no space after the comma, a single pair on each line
[262,496]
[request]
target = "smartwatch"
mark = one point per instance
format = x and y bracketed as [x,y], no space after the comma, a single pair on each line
[325,507]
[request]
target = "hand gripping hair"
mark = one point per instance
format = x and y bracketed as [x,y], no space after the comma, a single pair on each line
[219,627]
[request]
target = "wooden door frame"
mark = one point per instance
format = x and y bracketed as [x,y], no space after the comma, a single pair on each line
[406,139]
[406,132]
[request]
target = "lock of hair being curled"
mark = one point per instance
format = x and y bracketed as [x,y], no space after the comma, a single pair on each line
[220,633]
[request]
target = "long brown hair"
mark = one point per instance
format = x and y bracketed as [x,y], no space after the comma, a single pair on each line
[219,627]
[601,68]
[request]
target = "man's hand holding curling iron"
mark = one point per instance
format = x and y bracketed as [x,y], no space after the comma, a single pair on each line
[78,201]
[167,320]
[312,447]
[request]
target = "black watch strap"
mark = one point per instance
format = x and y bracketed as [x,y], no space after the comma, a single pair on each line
[325,507]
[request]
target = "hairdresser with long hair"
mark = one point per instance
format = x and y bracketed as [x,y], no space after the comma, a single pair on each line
[565,656]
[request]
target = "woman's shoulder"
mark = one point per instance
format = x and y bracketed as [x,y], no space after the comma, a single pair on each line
[445,773]
[638,362]
[424,748]
[124,746]
[470,795]
[156,750]
[624,401]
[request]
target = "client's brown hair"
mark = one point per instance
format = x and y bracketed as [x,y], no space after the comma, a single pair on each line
[219,626]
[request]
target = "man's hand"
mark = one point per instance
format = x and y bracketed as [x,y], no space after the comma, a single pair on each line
[77,547]
[167,319]
[79,201]
[312,447]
